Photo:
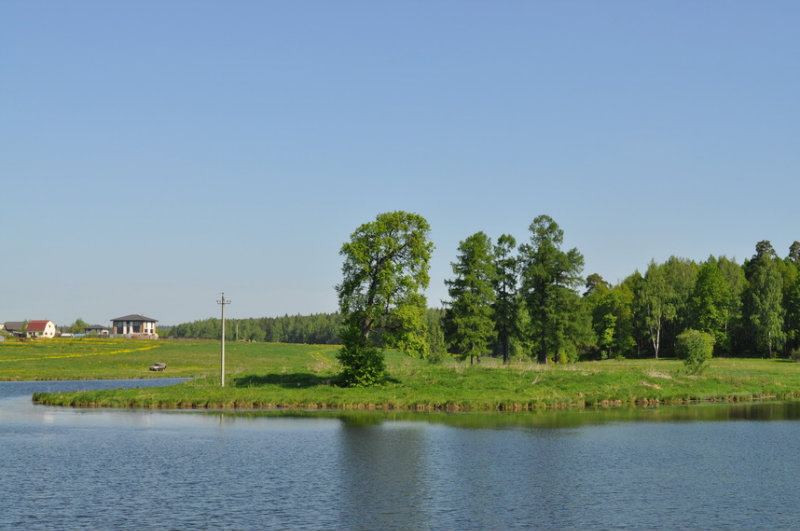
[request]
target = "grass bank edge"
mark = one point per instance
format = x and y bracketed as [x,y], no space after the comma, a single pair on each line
[206,394]
[291,376]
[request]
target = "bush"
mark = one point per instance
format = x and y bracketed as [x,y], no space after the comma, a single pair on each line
[362,366]
[436,357]
[695,348]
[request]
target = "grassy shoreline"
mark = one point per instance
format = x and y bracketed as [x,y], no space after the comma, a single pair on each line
[301,377]
[215,402]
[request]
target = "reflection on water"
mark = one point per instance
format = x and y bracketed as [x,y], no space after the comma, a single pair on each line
[694,467]
[396,454]
[763,411]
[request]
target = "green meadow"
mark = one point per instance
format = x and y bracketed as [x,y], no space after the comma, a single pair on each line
[290,376]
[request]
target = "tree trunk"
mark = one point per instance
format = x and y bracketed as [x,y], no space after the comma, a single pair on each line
[769,343]
[655,336]
[657,341]
[543,348]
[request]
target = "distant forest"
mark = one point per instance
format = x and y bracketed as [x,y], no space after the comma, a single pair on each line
[316,329]
[750,310]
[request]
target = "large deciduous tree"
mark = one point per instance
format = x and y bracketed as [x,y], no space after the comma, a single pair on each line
[663,300]
[681,274]
[764,300]
[384,272]
[734,277]
[791,297]
[550,277]
[709,304]
[468,322]
[612,318]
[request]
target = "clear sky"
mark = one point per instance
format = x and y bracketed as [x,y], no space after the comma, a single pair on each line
[156,153]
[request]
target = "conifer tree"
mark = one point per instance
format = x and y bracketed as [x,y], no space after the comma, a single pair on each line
[550,277]
[468,321]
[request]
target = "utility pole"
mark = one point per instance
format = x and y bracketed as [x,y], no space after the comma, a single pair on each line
[223,302]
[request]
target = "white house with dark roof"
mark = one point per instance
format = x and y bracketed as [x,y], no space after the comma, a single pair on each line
[134,326]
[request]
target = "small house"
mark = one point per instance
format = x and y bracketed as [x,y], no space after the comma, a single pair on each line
[14,327]
[38,329]
[97,330]
[134,326]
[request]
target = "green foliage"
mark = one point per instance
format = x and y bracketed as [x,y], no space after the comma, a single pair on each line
[362,366]
[764,300]
[695,348]
[663,299]
[633,285]
[549,279]
[437,345]
[506,298]
[736,282]
[790,272]
[469,320]
[407,330]
[316,329]
[708,304]
[77,327]
[612,317]
[384,272]
[681,274]
[606,336]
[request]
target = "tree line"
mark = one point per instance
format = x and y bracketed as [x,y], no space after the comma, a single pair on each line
[514,301]
[316,329]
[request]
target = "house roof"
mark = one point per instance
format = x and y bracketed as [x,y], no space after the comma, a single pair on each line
[95,327]
[135,317]
[37,326]
[15,326]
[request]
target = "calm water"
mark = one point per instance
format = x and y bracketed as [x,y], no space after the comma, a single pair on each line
[101,469]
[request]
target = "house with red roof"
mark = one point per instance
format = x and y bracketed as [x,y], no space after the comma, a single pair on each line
[41,329]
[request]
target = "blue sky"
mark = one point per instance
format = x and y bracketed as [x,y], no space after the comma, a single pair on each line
[154,154]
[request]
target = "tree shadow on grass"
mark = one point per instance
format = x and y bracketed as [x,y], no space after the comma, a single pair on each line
[293,380]
[286,380]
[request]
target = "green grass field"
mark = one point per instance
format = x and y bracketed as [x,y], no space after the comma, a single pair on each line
[269,375]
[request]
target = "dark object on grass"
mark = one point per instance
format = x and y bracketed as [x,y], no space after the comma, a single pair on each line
[158,366]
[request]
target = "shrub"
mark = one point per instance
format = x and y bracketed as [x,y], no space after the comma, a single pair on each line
[695,348]
[362,366]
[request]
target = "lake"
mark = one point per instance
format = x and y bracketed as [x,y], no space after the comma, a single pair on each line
[702,467]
